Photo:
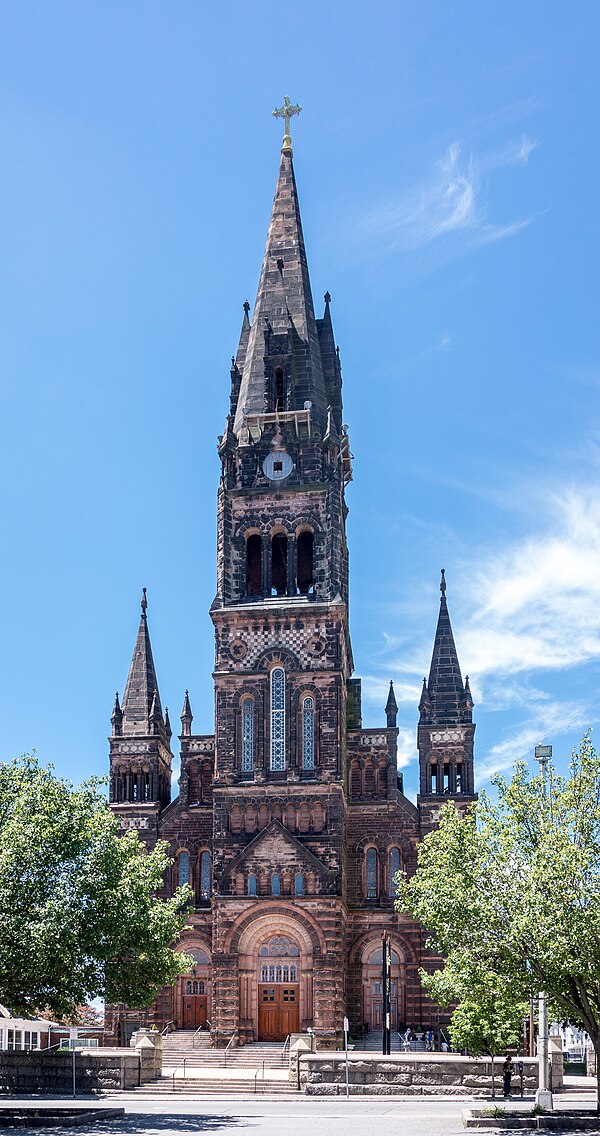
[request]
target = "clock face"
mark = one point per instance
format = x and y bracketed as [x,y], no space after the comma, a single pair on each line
[277,465]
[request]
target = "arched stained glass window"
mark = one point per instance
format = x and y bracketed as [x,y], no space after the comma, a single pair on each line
[251,885]
[275,885]
[205,880]
[248,735]
[394,868]
[372,889]
[184,868]
[299,883]
[308,733]
[278,719]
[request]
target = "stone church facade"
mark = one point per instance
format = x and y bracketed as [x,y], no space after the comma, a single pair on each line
[291,821]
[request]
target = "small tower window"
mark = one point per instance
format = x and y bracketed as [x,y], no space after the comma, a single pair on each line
[279,389]
[248,735]
[459,779]
[278,719]
[371,871]
[205,877]
[279,550]
[394,868]
[253,565]
[251,885]
[308,733]
[305,547]
[184,868]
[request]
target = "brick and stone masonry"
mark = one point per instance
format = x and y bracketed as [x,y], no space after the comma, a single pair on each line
[291,820]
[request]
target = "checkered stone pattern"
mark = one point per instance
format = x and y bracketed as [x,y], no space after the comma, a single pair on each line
[241,648]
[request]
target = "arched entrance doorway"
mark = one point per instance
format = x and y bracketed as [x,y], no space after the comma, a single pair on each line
[278,988]
[372,965]
[278,1001]
[194,1000]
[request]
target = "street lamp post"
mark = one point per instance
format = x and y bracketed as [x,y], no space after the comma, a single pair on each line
[543,1096]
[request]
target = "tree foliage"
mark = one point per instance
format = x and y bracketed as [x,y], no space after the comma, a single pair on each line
[79,914]
[512,889]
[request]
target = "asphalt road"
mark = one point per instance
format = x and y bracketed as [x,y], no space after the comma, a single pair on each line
[300,1116]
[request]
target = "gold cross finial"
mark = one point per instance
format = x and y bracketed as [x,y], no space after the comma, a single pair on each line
[286,112]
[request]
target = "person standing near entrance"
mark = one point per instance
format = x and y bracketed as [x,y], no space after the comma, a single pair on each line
[507,1072]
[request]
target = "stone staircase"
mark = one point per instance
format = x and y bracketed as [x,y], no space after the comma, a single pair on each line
[372,1043]
[191,1065]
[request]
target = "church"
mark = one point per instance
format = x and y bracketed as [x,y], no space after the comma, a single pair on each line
[291,822]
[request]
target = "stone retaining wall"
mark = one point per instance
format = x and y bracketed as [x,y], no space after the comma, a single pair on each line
[415,1074]
[52,1072]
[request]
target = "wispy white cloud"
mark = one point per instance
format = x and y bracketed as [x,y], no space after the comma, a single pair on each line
[450,202]
[528,609]
[518,744]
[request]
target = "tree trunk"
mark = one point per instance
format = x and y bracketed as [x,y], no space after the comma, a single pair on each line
[493,1081]
[597,1052]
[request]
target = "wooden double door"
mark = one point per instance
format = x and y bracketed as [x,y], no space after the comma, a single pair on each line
[278,1011]
[194,1011]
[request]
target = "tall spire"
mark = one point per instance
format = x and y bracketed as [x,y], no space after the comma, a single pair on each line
[445,700]
[283,323]
[141,709]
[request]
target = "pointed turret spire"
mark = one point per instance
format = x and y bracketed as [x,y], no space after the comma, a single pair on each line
[445,701]
[284,317]
[186,717]
[117,717]
[391,707]
[141,710]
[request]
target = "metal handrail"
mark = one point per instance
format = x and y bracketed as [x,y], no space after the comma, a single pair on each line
[228,1046]
[204,1028]
[286,1045]
[256,1075]
[175,1072]
[167,1029]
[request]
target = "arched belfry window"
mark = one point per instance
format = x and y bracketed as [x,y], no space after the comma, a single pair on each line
[248,735]
[279,559]
[305,551]
[277,719]
[308,732]
[253,565]
[279,390]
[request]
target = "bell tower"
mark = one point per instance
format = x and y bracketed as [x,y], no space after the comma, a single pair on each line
[446,730]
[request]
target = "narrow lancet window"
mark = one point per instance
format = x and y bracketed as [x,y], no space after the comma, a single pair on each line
[275,885]
[205,877]
[184,868]
[308,733]
[251,885]
[279,549]
[372,881]
[305,577]
[253,565]
[248,735]
[277,719]
[299,883]
[394,868]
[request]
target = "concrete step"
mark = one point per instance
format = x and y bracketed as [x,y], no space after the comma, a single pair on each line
[214,1086]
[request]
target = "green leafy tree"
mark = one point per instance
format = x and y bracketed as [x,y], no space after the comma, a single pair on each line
[489,1016]
[79,913]
[513,888]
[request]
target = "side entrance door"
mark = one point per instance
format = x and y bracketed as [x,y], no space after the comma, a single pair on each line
[278,1012]
[194,1010]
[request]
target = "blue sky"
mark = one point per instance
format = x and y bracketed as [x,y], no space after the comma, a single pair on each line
[447,164]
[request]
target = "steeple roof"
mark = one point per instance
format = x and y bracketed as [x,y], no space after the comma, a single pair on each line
[445,701]
[284,308]
[141,708]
